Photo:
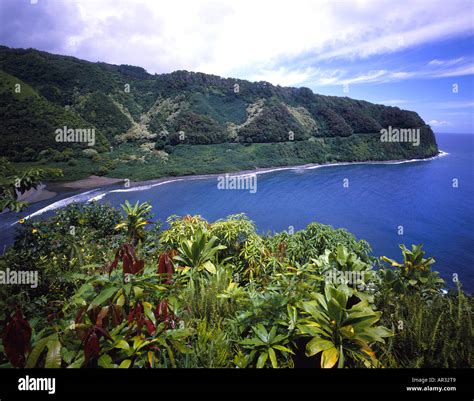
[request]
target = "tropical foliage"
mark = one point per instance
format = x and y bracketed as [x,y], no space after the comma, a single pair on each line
[200,294]
[135,221]
[13,183]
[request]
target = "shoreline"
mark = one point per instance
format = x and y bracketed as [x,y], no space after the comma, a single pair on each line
[265,170]
[37,195]
[50,190]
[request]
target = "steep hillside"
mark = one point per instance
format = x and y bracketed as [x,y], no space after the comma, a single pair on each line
[150,120]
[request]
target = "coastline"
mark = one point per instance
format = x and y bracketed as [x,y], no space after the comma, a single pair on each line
[49,190]
[91,182]
[37,195]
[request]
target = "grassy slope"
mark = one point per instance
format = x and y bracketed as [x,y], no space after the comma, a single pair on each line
[208,159]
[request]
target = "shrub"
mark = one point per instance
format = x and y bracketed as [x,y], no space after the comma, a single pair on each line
[429,333]
[218,295]
[89,152]
[58,247]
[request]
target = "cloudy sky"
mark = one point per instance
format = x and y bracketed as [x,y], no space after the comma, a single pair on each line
[417,55]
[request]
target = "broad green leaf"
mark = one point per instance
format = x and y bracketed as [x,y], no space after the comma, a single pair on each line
[311,307]
[138,291]
[252,341]
[36,352]
[122,344]
[347,331]
[261,332]
[171,355]
[273,358]
[262,359]
[329,357]
[105,361]
[380,331]
[125,364]
[137,341]
[334,311]
[316,345]
[282,348]
[77,363]
[341,298]
[147,307]
[121,300]
[103,296]
[312,328]
[53,357]
[209,266]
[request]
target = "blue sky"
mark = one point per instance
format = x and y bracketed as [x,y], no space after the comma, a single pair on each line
[418,55]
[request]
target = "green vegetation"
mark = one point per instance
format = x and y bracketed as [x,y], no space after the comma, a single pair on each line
[144,164]
[136,220]
[149,126]
[13,183]
[113,294]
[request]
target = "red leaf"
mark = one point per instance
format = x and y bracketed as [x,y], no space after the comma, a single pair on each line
[138,266]
[139,316]
[93,313]
[165,266]
[126,264]
[149,326]
[161,311]
[16,340]
[131,315]
[129,250]
[80,314]
[102,332]
[117,316]
[136,314]
[131,265]
[101,316]
[91,346]
[114,264]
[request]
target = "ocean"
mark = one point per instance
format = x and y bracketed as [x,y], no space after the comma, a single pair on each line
[428,202]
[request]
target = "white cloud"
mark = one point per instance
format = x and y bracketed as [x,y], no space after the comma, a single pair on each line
[446,62]
[439,123]
[283,76]
[392,102]
[321,77]
[456,72]
[226,38]
[401,28]
[248,38]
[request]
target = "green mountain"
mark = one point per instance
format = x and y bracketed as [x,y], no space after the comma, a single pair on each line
[147,126]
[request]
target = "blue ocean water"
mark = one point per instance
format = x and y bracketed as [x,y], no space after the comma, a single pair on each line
[419,196]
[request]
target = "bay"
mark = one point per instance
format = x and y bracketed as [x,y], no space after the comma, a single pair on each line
[379,202]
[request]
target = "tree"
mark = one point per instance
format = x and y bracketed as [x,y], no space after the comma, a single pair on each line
[13,183]
[136,219]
